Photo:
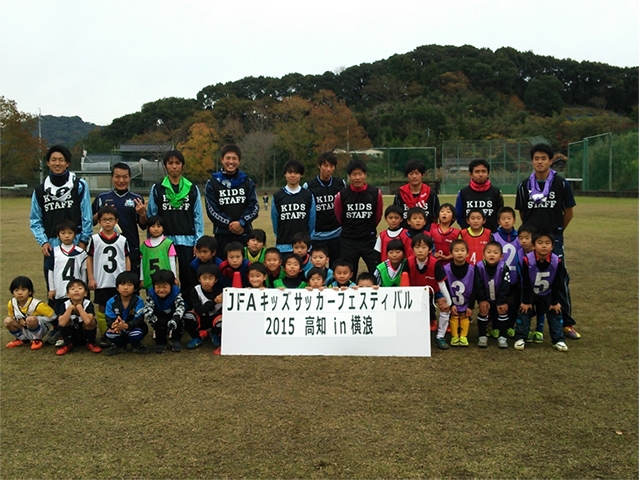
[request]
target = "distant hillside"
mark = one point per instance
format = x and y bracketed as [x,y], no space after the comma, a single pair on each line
[65,130]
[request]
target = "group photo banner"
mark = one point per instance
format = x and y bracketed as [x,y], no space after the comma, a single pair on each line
[390,321]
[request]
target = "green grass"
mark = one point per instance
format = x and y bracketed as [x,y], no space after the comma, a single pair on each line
[460,413]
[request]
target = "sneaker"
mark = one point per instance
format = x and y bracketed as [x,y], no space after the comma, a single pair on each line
[571,333]
[36,344]
[434,325]
[455,341]
[140,349]
[538,337]
[175,346]
[15,343]
[495,333]
[464,342]
[502,342]
[60,342]
[519,345]
[194,343]
[530,338]
[160,348]
[511,332]
[441,343]
[215,339]
[93,348]
[561,347]
[52,336]
[483,342]
[115,350]
[217,351]
[64,349]
[104,342]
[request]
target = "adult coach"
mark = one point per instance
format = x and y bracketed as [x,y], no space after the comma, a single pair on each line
[231,200]
[131,207]
[479,194]
[358,208]
[177,201]
[416,193]
[545,201]
[324,188]
[62,196]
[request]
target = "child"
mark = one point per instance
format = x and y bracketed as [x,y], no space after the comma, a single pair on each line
[157,252]
[273,264]
[29,318]
[234,263]
[206,249]
[366,280]
[524,237]
[543,277]
[443,233]
[265,200]
[416,221]
[206,300]
[125,317]
[293,208]
[342,272]
[316,278]
[493,294]
[393,217]
[507,236]
[475,236]
[301,245]
[66,262]
[254,251]
[320,259]
[424,270]
[389,272]
[111,254]
[164,310]
[462,282]
[257,275]
[294,276]
[77,323]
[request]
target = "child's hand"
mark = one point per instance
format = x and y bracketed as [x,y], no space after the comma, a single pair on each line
[218,299]
[51,295]
[454,310]
[525,307]
[555,308]
[502,309]
[281,288]
[308,288]
[344,288]
[442,305]
[468,313]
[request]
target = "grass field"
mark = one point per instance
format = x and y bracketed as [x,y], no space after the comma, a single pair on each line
[461,413]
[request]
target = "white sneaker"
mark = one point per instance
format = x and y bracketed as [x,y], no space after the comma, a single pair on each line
[502,342]
[561,346]
[60,343]
[482,342]
[519,345]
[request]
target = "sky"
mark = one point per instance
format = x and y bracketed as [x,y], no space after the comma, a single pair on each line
[102,59]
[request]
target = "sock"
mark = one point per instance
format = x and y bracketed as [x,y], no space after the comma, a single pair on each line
[66,333]
[102,322]
[454,322]
[90,335]
[503,324]
[482,326]
[443,323]
[18,334]
[36,333]
[464,327]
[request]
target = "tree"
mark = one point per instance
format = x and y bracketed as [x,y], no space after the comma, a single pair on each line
[257,148]
[543,95]
[20,149]
[199,151]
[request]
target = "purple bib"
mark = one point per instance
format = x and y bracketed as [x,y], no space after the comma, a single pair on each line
[492,283]
[461,288]
[541,280]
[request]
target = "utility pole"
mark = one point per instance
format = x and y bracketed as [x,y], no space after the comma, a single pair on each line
[40,146]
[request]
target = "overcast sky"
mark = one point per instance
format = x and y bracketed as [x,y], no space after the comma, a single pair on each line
[103,59]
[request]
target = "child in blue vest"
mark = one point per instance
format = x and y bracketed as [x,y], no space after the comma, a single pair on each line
[543,276]
[526,245]
[495,282]
[507,236]
[164,310]
[342,273]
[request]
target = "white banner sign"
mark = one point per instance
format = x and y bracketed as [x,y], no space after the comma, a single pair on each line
[364,321]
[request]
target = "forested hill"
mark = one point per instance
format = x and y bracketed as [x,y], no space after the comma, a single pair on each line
[420,98]
[64,130]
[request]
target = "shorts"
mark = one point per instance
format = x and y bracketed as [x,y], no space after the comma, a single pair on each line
[103,295]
